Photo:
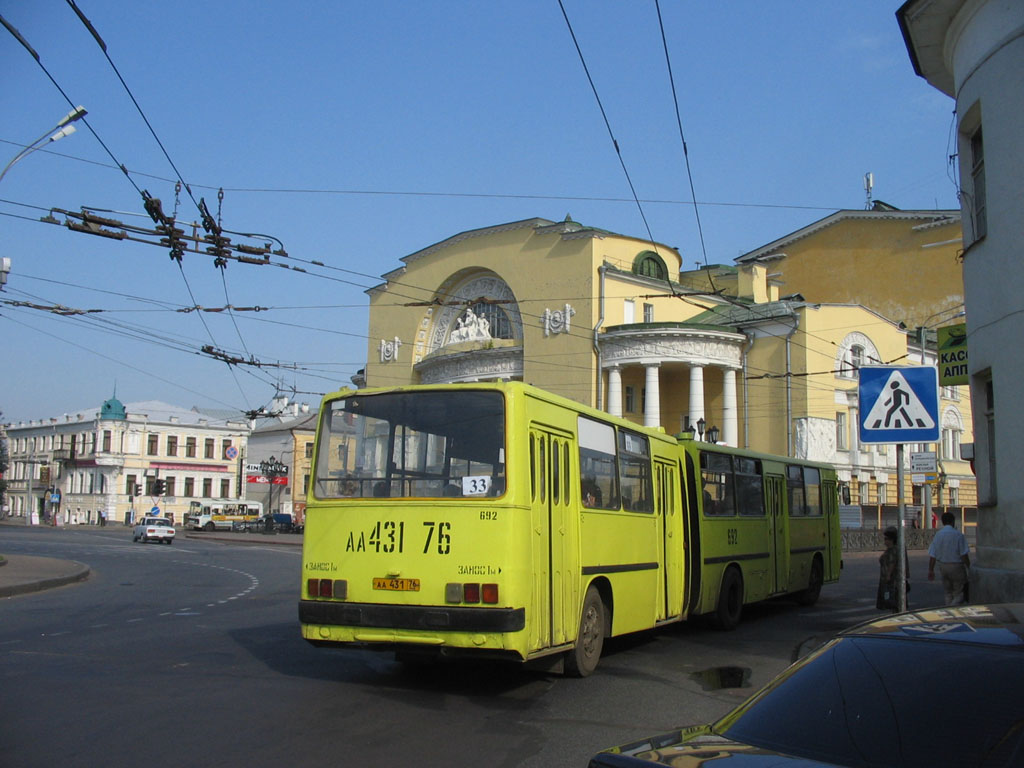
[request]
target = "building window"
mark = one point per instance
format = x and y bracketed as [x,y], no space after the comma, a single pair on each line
[628,312]
[305,484]
[225,489]
[648,313]
[190,447]
[630,400]
[129,485]
[978,185]
[842,432]
[172,445]
[107,437]
[951,393]
[169,486]
[225,444]
[152,444]
[882,499]
[309,450]
[862,493]
[650,264]
[951,443]
[208,448]
[190,486]
[207,487]
[954,497]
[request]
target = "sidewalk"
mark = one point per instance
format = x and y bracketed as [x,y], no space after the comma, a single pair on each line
[20,574]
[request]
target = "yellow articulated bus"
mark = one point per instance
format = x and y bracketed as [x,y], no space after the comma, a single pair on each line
[502,521]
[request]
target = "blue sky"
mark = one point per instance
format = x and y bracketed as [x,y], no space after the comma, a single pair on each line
[359,132]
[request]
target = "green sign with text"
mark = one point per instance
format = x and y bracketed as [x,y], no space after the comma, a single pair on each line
[952,354]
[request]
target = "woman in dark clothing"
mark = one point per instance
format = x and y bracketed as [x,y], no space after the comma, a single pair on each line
[888,565]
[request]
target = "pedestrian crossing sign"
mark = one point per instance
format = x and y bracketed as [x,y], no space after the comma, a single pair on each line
[899,404]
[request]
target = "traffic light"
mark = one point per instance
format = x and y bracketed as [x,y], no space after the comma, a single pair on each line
[138,489]
[159,486]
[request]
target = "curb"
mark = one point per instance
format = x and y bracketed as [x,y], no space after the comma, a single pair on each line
[78,572]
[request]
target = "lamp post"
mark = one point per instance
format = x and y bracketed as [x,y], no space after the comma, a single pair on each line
[63,128]
[271,469]
[713,434]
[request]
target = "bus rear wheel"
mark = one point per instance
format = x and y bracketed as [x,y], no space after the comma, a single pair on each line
[582,660]
[208,526]
[730,600]
[810,595]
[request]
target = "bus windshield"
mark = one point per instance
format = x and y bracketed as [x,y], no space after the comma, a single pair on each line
[412,445]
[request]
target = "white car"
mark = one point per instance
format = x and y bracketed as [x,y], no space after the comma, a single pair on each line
[154,529]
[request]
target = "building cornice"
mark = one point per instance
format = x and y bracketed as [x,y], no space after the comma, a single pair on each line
[934,218]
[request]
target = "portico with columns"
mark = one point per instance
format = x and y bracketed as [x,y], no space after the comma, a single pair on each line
[671,359]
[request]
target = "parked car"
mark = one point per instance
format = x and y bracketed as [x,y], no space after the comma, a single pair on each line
[281,522]
[924,688]
[154,529]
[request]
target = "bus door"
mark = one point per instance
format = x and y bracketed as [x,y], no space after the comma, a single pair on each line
[669,512]
[555,571]
[774,490]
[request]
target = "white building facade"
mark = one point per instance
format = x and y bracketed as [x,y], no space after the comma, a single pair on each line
[102,465]
[973,51]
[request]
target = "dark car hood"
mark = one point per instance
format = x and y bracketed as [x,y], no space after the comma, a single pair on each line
[697,746]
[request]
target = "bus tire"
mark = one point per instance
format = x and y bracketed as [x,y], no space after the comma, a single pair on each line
[810,595]
[730,600]
[582,660]
[208,526]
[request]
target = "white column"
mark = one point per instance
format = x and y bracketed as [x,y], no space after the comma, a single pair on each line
[652,405]
[730,427]
[614,406]
[696,396]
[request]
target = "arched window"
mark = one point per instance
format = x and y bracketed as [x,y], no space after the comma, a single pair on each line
[650,264]
[856,350]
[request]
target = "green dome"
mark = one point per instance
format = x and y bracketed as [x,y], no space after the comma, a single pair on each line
[113,409]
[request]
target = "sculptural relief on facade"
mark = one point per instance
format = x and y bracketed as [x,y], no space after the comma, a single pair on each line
[557,320]
[389,350]
[697,350]
[814,439]
[470,327]
[456,321]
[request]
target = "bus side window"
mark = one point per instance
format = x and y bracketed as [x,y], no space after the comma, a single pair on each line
[749,487]
[812,491]
[717,477]
[795,490]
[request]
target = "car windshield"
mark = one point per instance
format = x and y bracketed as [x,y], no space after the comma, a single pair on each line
[412,444]
[872,701]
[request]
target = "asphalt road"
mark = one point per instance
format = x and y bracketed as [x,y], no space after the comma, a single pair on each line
[191,655]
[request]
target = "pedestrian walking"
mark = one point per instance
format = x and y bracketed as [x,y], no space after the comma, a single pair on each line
[888,574]
[949,549]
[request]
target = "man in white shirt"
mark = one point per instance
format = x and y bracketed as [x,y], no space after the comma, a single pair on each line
[949,548]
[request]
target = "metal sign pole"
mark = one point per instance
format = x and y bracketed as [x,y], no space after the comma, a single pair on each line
[901,542]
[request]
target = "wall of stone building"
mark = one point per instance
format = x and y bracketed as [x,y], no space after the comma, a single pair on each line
[847,261]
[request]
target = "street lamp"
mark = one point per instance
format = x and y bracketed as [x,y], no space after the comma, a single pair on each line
[700,428]
[63,128]
[271,469]
[712,434]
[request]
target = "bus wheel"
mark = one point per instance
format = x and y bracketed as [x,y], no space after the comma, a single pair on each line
[582,660]
[810,595]
[730,600]
[208,526]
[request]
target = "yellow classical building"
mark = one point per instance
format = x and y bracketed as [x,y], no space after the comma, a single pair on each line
[609,320]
